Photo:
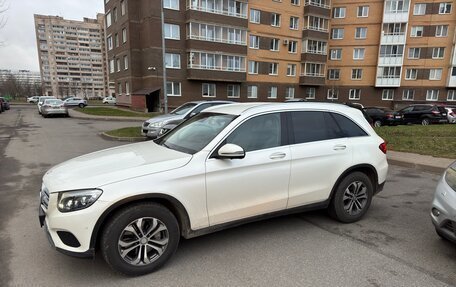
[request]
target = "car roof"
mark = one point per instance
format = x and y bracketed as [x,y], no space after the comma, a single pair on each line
[203,102]
[259,107]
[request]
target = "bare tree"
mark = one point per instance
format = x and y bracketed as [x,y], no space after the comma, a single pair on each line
[3,19]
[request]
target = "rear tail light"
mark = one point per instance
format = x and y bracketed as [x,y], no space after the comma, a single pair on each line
[452,114]
[389,116]
[46,106]
[382,147]
[436,112]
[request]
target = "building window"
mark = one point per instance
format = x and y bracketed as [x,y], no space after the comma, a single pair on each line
[335,54]
[208,90]
[451,96]
[233,91]
[358,53]
[108,20]
[116,37]
[253,67]
[391,51]
[275,20]
[337,33]
[274,44]
[396,6]
[408,95]
[435,74]
[215,33]
[411,74]
[291,70]
[354,94]
[387,94]
[419,9]
[289,92]
[114,13]
[444,8]
[252,92]
[292,46]
[316,23]
[127,88]
[294,23]
[438,53]
[125,58]
[333,94]
[363,11]
[357,74]
[254,42]
[118,64]
[172,31]
[122,7]
[417,31]
[414,53]
[334,74]
[314,47]
[360,33]
[441,31]
[124,35]
[119,88]
[272,93]
[172,61]
[273,69]
[255,16]
[173,89]
[111,66]
[171,4]
[109,40]
[432,95]
[313,69]
[295,2]
[310,93]
[339,12]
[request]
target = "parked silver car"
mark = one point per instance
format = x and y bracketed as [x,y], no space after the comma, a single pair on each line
[443,212]
[74,101]
[152,127]
[53,107]
[41,101]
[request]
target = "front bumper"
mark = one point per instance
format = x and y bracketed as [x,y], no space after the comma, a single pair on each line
[70,232]
[445,203]
[150,132]
[55,111]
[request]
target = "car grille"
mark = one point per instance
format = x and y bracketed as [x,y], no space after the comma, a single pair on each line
[44,197]
[451,226]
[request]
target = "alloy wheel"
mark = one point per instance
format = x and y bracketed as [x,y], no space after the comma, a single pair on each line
[355,198]
[425,122]
[143,241]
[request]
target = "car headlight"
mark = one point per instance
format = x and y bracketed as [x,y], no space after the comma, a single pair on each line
[450,177]
[157,124]
[78,199]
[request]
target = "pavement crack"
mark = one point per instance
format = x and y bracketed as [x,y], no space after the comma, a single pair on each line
[435,275]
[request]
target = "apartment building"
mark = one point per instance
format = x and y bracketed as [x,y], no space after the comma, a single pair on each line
[377,52]
[72,56]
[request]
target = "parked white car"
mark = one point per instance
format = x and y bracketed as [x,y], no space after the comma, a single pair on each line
[41,101]
[109,100]
[33,100]
[228,165]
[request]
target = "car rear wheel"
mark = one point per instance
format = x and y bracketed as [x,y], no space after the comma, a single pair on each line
[377,123]
[81,105]
[352,198]
[140,238]
[425,122]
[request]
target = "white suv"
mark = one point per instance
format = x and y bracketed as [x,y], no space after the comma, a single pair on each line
[228,165]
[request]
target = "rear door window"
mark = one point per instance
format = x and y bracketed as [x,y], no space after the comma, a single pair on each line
[347,126]
[313,126]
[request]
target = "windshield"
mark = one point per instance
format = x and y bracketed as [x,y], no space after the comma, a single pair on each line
[182,110]
[194,134]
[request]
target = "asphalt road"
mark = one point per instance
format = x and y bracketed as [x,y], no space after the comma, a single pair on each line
[394,245]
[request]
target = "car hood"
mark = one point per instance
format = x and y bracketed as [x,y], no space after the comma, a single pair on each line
[112,165]
[166,118]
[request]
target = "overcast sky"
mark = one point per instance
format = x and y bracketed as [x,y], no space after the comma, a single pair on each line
[18,49]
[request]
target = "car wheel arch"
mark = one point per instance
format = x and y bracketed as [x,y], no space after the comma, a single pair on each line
[367,169]
[174,205]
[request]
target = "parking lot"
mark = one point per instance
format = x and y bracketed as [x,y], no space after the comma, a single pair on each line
[394,245]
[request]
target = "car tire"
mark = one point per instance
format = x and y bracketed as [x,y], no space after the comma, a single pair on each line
[125,226]
[425,122]
[377,123]
[81,106]
[352,198]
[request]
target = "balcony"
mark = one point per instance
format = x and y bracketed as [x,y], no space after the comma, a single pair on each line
[388,82]
[312,80]
[240,10]
[390,60]
[215,75]
[395,17]
[318,3]
[391,39]
[452,77]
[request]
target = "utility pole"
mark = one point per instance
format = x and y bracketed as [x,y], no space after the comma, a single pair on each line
[165,96]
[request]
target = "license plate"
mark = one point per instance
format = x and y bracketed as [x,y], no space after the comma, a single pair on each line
[444,115]
[397,117]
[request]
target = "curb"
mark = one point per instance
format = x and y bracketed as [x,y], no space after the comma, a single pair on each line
[81,116]
[417,166]
[121,139]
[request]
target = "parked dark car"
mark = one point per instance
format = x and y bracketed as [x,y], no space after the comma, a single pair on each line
[424,114]
[6,104]
[382,116]
[2,107]
[361,108]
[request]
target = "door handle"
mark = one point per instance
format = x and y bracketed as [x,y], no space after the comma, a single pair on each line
[277,155]
[340,147]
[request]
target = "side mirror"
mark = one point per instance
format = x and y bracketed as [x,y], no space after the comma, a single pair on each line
[231,151]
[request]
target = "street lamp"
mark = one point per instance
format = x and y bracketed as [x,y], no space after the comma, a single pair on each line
[165,96]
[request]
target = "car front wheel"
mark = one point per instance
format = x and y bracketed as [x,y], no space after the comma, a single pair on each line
[377,123]
[425,122]
[352,198]
[140,238]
